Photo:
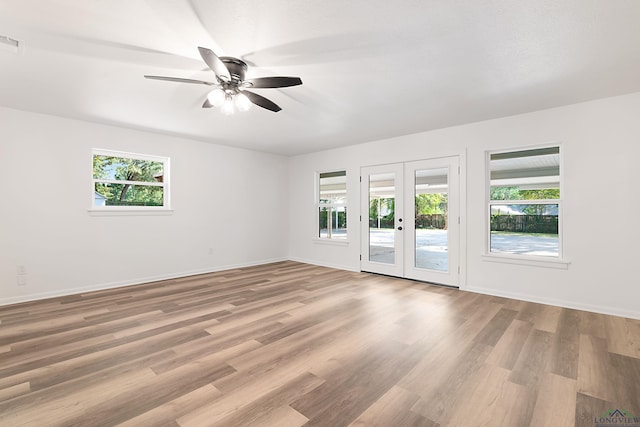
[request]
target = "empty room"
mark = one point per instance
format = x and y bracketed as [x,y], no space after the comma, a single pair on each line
[305,213]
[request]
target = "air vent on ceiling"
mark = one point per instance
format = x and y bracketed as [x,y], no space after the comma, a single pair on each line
[7,44]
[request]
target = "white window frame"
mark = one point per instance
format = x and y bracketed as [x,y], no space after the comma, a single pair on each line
[329,206]
[165,208]
[534,260]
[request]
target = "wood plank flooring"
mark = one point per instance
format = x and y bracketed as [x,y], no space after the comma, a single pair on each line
[290,344]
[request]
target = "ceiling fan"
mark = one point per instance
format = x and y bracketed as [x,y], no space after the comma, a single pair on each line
[230,88]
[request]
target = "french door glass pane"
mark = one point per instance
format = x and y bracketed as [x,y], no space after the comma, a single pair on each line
[431,239]
[382,190]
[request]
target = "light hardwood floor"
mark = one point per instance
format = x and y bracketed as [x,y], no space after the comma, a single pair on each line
[290,344]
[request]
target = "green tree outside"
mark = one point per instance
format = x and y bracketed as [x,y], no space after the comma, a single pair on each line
[431,203]
[515,193]
[386,221]
[126,169]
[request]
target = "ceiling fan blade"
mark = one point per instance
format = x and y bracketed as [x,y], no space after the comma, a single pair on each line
[261,101]
[273,82]
[207,104]
[216,65]
[179,80]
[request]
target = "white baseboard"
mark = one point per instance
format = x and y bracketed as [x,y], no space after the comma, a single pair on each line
[136,281]
[325,264]
[614,311]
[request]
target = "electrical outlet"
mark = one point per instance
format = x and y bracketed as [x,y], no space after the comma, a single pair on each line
[22,280]
[210,251]
[22,270]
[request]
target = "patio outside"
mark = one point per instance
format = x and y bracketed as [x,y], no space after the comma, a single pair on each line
[431,250]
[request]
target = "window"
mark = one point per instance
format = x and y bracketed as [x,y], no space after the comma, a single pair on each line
[524,203]
[126,181]
[332,205]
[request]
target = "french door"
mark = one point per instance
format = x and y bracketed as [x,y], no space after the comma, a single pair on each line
[410,220]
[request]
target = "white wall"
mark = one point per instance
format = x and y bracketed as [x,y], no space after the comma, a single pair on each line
[601,148]
[45,168]
[45,190]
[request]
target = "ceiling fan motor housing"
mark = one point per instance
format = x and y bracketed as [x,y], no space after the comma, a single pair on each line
[237,68]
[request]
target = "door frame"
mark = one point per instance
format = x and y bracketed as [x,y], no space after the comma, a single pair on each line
[462,213]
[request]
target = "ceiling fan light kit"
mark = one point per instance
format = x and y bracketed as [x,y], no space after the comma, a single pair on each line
[242,102]
[230,92]
[216,97]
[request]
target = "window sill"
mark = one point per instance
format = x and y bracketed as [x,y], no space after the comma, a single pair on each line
[334,242]
[527,260]
[130,212]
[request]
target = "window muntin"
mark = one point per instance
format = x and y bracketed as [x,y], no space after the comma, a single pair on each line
[126,181]
[332,205]
[524,202]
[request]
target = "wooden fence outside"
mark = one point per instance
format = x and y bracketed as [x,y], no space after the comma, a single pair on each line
[434,221]
[525,223]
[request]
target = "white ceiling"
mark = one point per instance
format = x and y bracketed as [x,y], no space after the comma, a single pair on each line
[371,69]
